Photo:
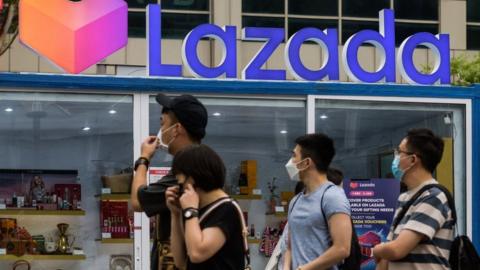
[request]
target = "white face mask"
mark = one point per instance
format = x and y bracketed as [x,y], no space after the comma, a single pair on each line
[164,145]
[292,170]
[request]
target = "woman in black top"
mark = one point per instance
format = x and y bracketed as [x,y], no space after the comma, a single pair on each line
[216,242]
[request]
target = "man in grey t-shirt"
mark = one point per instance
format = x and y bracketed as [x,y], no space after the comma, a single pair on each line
[312,244]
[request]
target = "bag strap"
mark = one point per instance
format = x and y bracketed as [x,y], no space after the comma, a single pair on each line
[242,221]
[417,195]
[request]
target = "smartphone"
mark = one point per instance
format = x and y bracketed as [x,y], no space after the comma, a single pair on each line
[180,189]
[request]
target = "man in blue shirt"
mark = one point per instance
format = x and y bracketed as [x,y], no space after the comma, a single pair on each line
[313,244]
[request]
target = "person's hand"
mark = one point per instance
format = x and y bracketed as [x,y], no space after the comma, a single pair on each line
[375,250]
[173,203]
[189,197]
[149,145]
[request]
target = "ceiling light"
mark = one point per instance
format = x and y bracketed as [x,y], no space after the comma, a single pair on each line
[217,114]
[283,131]
[86,128]
[112,112]
[9,110]
[323,116]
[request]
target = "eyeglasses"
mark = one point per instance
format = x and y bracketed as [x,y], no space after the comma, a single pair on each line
[397,151]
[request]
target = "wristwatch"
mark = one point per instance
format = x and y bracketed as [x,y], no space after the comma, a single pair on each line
[141,161]
[190,212]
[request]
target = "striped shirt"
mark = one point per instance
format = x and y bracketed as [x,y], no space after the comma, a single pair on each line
[431,216]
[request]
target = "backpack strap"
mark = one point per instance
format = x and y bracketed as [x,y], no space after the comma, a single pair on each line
[242,221]
[321,207]
[415,197]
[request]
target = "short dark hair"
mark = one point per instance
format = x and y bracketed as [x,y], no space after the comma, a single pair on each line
[319,147]
[202,164]
[427,146]
[335,176]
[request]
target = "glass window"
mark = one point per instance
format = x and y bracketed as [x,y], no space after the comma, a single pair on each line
[179,25]
[363,8]
[366,132]
[308,7]
[473,37]
[416,9]
[261,131]
[295,24]
[251,21]
[140,3]
[199,5]
[70,143]
[404,30]
[351,27]
[473,10]
[137,26]
[264,6]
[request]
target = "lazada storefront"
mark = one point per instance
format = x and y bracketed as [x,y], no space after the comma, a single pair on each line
[75,131]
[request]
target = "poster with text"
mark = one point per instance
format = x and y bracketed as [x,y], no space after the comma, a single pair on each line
[373,203]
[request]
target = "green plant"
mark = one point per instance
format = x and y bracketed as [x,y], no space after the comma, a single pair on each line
[8,24]
[465,71]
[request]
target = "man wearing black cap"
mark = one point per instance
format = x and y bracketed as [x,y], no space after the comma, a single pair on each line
[182,123]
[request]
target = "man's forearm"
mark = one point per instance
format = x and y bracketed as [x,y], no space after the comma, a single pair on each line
[334,255]
[287,261]
[139,179]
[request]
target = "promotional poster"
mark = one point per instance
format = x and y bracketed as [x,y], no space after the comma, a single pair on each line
[373,203]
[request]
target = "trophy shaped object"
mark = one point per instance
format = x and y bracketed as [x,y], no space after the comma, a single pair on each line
[63,246]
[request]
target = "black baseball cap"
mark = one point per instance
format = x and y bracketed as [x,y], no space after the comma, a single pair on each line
[188,110]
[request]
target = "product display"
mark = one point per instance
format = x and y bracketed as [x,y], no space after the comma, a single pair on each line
[248,176]
[114,218]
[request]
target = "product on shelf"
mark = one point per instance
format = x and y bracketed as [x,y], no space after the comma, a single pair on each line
[67,194]
[248,176]
[114,219]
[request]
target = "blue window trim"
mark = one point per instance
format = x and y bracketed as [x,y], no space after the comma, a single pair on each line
[68,83]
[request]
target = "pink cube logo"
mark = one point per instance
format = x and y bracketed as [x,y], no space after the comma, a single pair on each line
[74,35]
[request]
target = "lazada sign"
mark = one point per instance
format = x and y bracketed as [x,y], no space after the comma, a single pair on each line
[383,40]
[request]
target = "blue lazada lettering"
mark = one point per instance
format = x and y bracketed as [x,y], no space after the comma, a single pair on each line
[383,40]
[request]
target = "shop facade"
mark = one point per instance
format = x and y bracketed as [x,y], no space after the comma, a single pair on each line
[93,126]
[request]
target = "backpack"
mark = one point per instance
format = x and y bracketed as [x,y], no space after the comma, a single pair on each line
[463,255]
[353,261]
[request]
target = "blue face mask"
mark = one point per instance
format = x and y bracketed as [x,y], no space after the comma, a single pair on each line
[397,172]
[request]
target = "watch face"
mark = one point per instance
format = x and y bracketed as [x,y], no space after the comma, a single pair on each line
[188,213]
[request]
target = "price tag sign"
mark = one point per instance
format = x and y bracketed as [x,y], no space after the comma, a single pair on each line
[3,206]
[3,251]
[78,252]
[106,235]
[279,209]
[257,191]
[106,191]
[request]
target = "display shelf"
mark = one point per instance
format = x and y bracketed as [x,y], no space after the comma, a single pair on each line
[116,241]
[33,212]
[280,214]
[114,197]
[254,241]
[246,197]
[43,257]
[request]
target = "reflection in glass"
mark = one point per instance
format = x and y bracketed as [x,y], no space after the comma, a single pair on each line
[250,21]
[349,28]
[179,25]
[473,37]
[137,24]
[363,8]
[295,24]
[198,5]
[417,9]
[404,30]
[139,3]
[46,132]
[308,7]
[264,6]
[473,10]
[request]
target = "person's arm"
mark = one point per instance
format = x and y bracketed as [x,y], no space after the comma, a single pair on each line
[398,248]
[287,263]
[382,265]
[176,229]
[148,148]
[340,228]
[200,244]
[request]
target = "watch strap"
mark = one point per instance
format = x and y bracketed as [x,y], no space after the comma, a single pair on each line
[142,161]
